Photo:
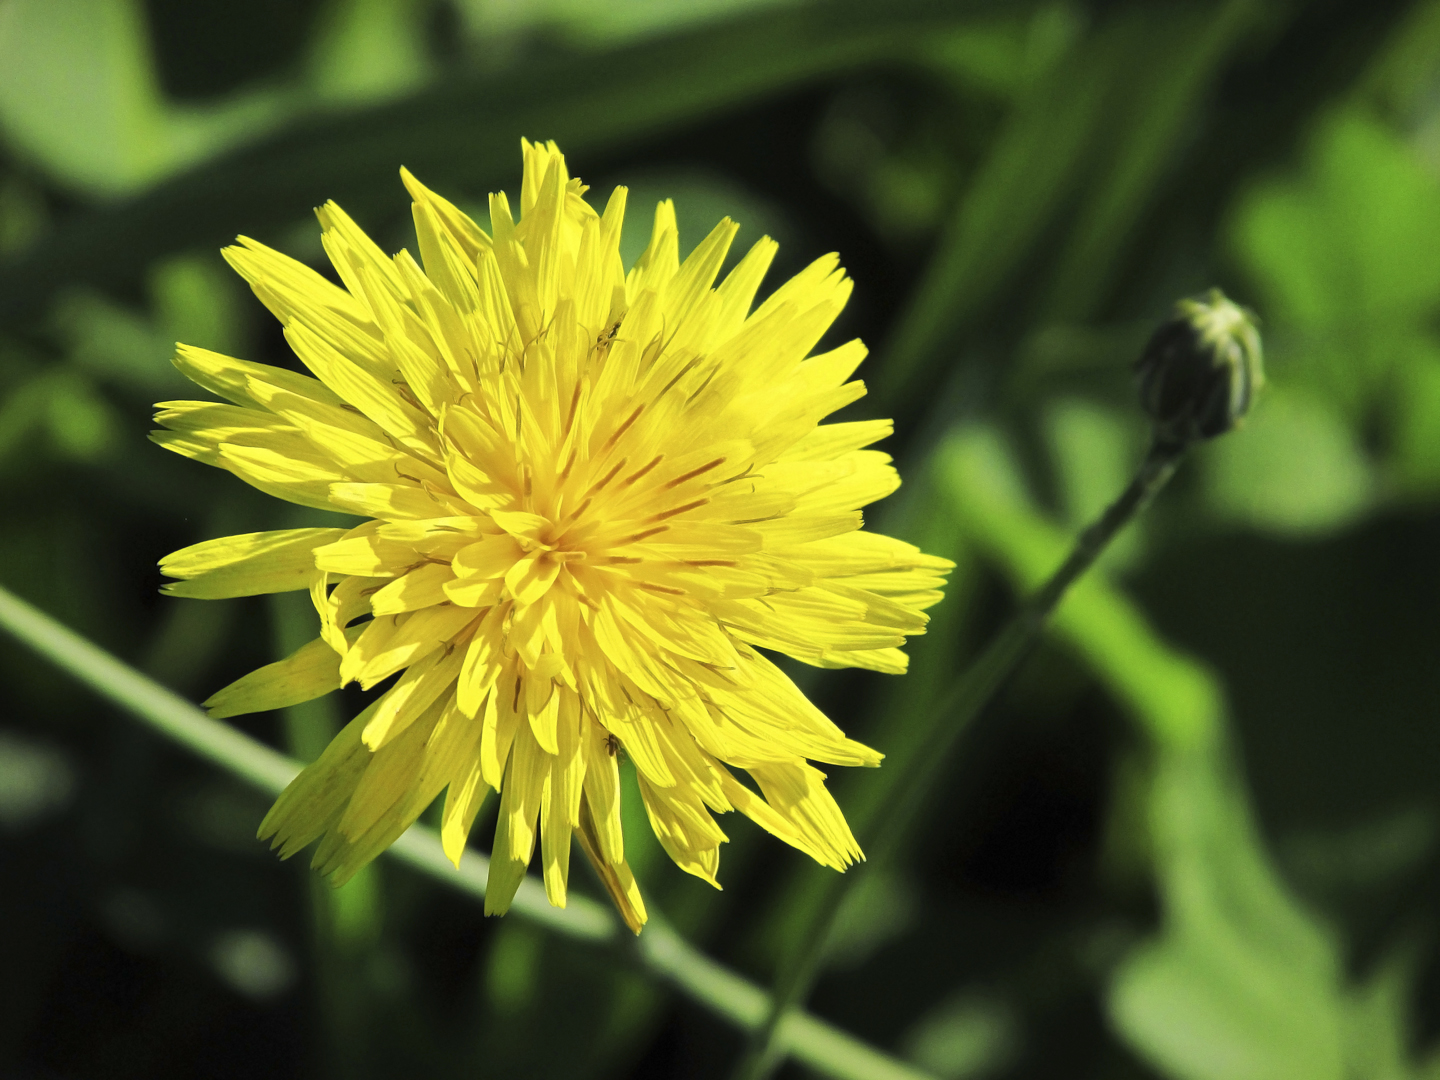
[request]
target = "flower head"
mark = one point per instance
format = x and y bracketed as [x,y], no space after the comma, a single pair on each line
[591,497]
[1201,370]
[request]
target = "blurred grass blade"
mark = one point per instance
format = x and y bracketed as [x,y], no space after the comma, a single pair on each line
[465,133]
[1163,65]
[1031,166]
[167,712]
[659,951]
[1093,135]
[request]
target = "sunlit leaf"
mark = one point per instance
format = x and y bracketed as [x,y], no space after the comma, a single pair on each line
[77,91]
[369,50]
[1295,468]
[1242,984]
[78,95]
[1353,239]
[1342,255]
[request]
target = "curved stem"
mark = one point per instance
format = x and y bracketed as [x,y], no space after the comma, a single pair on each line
[967,698]
[659,952]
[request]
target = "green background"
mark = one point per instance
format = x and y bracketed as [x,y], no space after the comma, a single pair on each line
[1196,838]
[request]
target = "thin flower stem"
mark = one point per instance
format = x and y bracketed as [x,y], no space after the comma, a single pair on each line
[972,691]
[659,951]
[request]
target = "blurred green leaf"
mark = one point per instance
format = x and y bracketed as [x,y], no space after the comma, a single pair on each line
[36,781]
[22,412]
[599,25]
[1342,255]
[183,647]
[63,403]
[880,908]
[512,973]
[1415,451]
[1171,696]
[1377,1032]
[77,91]
[1242,983]
[1093,450]
[369,50]
[115,343]
[22,214]
[1400,80]
[1295,468]
[1161,70]
[466,131]
[968,1035]
[1351,241]
[78,94]
[900,179]
[1001,213]
[1335,865]
[195,301]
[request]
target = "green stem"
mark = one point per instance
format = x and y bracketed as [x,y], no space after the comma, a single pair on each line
[659,951]
[967,698]
[162,709]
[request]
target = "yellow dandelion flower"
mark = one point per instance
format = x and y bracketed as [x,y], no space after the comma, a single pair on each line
[592,497]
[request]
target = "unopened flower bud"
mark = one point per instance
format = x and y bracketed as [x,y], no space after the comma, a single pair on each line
[1200,371]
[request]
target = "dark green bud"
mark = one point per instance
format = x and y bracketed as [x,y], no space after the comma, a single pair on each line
[1201,370]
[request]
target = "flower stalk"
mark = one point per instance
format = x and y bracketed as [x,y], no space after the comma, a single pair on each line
[661,953]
